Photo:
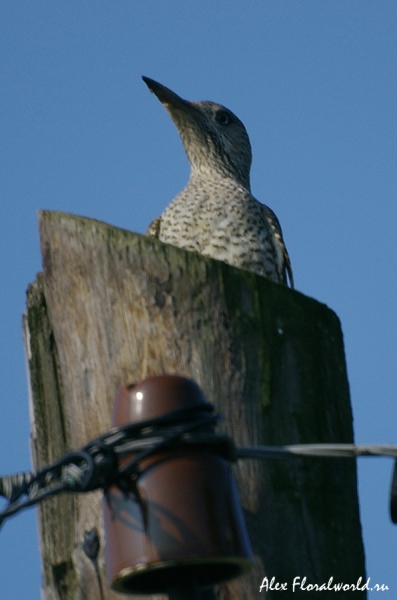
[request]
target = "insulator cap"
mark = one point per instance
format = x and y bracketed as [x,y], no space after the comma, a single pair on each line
[181,519]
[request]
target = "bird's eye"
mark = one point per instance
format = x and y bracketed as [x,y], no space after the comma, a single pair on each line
[223,118]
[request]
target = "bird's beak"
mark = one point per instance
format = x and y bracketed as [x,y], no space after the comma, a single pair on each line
[172,102]
[186,116]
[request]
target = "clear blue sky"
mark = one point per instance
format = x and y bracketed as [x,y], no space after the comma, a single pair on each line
[315,84]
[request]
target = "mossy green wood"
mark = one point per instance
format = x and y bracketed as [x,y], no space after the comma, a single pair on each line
[120,307]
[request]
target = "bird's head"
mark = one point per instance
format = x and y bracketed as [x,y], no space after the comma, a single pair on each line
[214,138]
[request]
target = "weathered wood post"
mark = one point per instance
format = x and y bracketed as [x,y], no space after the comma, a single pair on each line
[112,307]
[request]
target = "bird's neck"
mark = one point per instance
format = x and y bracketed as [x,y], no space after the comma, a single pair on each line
[207,175]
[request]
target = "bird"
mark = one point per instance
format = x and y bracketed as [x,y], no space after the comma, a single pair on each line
[216,214]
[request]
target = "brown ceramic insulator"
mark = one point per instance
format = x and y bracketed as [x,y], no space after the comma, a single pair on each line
[183,520]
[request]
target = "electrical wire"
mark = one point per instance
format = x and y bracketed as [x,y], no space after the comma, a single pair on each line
[96,465]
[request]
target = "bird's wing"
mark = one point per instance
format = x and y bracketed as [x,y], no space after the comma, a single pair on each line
[154,228]
[286,268]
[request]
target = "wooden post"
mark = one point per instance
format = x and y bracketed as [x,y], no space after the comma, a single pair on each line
[113,307]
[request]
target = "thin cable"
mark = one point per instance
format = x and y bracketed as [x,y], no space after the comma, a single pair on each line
[321,450]
[96,465]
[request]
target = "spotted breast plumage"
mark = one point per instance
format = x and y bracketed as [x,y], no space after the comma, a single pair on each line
[216,214]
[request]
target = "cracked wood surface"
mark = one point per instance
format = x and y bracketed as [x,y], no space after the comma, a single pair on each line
[113,307]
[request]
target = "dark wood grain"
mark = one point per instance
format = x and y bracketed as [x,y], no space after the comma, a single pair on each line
[113,307]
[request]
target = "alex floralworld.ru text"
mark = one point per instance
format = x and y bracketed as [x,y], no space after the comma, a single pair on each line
[301,584]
